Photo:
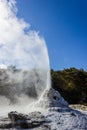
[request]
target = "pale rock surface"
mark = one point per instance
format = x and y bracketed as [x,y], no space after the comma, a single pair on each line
[52,98]
[58,116]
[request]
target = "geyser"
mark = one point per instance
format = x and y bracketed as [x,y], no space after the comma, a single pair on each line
[24,61]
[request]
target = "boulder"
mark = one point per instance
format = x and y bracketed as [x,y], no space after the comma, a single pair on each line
[32,120]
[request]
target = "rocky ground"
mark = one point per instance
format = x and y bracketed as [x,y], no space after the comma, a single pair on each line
[58,116]
[78,107]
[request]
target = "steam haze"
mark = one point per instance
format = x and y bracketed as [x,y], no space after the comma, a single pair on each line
[26,50]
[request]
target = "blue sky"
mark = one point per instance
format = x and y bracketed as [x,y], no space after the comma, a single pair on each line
[63,24]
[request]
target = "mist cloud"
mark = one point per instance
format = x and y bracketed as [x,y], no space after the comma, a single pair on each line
[26,50]
[19,45]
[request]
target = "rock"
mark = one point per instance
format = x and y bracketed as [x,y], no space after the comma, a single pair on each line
[5,123]
[73,114]
[63,118]
[7,126]
[32,120]
[15,116]
[58,116]
[43,127]
[52,98]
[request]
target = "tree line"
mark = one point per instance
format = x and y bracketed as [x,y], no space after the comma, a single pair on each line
[71,83]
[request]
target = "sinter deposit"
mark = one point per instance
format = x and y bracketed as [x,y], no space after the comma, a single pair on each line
[58,116]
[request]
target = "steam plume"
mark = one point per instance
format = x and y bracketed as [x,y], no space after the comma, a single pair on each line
[26,50]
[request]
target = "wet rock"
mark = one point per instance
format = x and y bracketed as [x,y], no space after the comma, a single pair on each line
[15,116]
[5,123]
[32,120]
[6,126]
[73,114]
[43,127]
[64,118]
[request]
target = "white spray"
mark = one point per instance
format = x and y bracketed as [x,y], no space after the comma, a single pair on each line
[24,61]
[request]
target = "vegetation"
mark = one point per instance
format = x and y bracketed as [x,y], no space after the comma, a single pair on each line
[72,84]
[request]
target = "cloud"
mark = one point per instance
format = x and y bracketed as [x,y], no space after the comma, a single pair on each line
[19,45]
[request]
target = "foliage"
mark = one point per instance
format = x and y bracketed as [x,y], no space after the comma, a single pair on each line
[71,83]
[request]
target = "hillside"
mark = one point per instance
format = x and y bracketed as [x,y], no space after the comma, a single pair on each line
[72,84]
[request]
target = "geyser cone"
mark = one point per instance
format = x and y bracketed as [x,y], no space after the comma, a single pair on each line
[24,61]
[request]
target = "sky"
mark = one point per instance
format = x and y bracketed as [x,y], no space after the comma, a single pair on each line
[63,24]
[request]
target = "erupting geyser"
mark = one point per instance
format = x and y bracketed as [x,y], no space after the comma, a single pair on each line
[24,61]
